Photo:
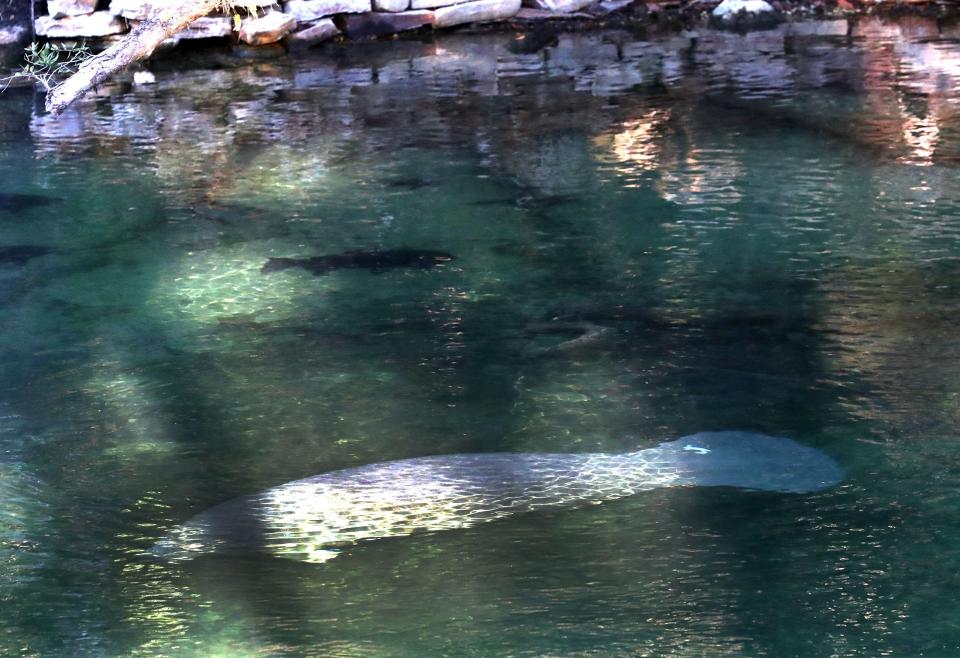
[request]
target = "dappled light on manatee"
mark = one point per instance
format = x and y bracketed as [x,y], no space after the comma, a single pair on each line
[312,519]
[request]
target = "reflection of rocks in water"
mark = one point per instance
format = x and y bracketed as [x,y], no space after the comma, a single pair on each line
[534,40]
[547,170]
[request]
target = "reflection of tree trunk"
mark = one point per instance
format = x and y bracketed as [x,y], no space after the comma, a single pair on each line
[138,44]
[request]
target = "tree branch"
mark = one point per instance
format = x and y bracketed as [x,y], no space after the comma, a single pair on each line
[138,44]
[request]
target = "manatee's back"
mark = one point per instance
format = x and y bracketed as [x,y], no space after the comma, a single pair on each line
[308,519]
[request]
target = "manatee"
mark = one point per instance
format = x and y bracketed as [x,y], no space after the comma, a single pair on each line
[313,519]
[376,260]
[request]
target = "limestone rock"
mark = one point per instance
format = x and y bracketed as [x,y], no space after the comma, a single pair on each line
[11,35]
[97,24]
[391,5]
[64,8]
[141,10]
[307,11]
[378,24]
[320,31]
[208,27]
[267,29]
[138,10]
[431,4]
[558,6]
[475,12]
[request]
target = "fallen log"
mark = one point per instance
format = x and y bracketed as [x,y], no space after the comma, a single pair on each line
[138,44]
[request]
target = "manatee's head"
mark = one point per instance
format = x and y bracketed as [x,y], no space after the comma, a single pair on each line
[752,461]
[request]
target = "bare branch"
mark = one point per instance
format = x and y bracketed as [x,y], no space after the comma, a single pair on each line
[138,44]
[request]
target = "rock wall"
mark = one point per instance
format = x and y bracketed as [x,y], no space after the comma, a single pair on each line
[297,20]
[300,22]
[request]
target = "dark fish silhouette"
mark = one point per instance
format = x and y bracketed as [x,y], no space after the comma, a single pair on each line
[21,201]
[376,260]
[20,254]
[411,183]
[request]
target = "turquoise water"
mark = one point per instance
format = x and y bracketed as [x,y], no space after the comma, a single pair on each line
[767,228]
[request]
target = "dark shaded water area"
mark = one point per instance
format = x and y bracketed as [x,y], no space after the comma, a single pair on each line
[766,228]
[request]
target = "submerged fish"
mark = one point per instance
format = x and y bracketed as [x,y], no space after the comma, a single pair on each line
[312,519]
[376,260]
[20,254]
[9,201]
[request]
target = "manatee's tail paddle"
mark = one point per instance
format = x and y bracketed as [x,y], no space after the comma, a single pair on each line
[313,518]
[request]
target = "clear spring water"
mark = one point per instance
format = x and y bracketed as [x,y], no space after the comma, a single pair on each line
[768,228]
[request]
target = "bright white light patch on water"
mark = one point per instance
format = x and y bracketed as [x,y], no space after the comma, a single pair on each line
[223,284]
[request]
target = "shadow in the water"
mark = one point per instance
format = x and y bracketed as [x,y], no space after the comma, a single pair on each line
[16,202]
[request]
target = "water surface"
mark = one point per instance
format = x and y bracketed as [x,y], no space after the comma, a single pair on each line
[768,228]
